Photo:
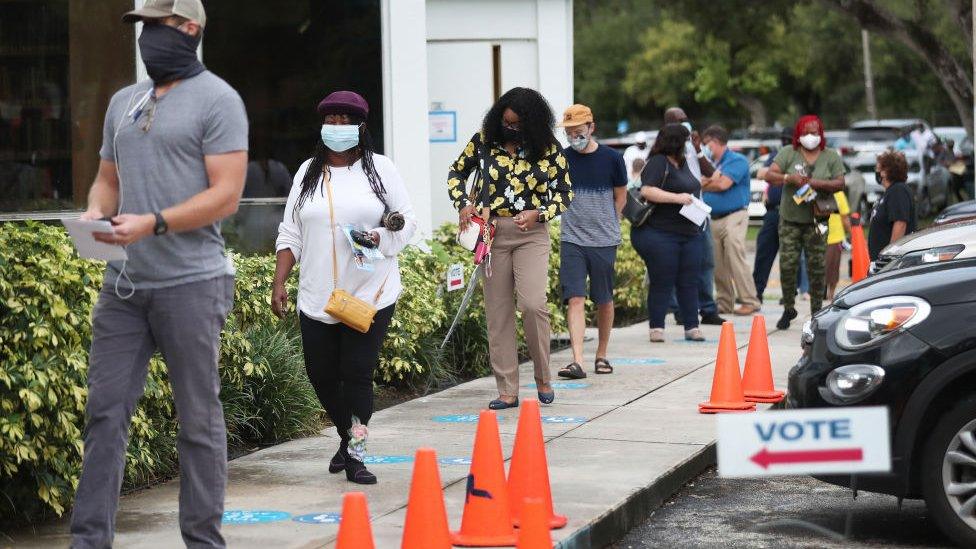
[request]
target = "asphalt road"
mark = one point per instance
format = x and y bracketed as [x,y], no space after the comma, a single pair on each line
[728,513]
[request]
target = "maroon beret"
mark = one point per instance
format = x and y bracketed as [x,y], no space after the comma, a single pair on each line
[344,102]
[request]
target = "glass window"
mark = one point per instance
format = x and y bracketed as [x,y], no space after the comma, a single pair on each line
[49,139]
[283,57]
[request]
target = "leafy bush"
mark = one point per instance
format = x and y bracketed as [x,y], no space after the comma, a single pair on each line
[46,297]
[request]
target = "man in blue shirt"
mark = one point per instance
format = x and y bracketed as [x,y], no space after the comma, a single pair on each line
[589,235]
[727,192]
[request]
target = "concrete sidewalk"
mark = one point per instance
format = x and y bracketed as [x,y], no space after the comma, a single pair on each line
[618,445]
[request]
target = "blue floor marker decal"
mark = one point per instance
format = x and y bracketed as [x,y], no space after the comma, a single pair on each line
[253,517]
[454,461]
[460,418]
[319,518]
[561,385]
[563,419]
[386,460]
[637,361]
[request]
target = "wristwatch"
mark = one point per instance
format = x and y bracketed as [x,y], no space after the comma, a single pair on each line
[540,218]
[161,227]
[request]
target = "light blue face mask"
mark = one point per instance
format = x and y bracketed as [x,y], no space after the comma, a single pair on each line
[340,138]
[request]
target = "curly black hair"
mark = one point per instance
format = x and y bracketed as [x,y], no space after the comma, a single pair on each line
[670,141]
[366,150]
[535,117]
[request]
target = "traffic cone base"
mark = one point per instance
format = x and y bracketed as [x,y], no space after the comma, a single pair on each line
[535,534]
[771,397]
[555,522]
[729,407]
[461,540]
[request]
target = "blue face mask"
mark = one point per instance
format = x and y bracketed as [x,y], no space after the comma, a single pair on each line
[340,138]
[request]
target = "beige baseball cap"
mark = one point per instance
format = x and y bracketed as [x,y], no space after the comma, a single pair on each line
[157,9]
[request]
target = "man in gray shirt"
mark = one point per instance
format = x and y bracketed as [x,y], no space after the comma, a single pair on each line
[590,235]
[173,163]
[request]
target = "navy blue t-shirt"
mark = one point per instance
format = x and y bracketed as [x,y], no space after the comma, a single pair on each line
[591,219]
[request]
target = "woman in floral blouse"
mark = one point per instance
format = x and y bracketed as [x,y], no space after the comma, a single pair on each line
[527,186]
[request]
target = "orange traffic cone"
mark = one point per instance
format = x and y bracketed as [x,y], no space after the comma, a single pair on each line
[426,523]
[487,519]
[354,529]
[859,250]
[534,533]
[757,379]
[726,383]
[528,475]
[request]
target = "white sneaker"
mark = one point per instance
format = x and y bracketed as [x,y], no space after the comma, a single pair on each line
[657,335]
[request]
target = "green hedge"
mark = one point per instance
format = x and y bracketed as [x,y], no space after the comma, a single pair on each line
[46,297]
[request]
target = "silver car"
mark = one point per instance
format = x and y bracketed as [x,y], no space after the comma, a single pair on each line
[932,245]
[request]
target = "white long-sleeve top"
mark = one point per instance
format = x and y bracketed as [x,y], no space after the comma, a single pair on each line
[309,236]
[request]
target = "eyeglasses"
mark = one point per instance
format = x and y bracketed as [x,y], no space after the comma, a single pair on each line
[516,126]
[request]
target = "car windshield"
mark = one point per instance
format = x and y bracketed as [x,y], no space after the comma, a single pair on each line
[883,134]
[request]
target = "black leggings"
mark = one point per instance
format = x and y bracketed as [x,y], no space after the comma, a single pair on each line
[340,362]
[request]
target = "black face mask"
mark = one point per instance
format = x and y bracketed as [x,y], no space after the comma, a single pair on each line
[511,136]
[168,53]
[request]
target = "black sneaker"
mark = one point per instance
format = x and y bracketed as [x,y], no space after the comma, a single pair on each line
[784,321]
[712,319]
[356,472]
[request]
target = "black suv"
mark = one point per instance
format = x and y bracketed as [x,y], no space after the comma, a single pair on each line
[905,339]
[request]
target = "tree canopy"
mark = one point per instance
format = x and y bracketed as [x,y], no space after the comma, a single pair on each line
[740,62]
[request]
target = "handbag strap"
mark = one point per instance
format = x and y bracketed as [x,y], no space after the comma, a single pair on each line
[326,178]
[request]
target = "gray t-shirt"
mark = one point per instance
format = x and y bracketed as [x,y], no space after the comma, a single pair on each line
[164,166]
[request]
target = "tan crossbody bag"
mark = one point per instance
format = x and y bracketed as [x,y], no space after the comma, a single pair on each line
[342,305]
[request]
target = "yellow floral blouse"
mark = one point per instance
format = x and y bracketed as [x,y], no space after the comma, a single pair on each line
[514,183]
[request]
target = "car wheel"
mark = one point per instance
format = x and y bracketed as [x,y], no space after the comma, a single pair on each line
[924,205]
[949,473]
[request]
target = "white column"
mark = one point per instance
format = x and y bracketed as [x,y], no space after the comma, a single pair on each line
[555,45]
[405,103]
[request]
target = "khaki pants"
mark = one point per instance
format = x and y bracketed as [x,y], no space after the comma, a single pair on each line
[733,274]
[520,274]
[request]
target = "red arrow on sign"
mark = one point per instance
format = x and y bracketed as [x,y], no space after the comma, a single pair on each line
[764,458]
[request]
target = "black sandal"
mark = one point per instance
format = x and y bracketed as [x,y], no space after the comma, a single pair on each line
[602,366]
[573,371]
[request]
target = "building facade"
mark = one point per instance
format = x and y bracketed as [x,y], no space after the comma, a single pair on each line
[430,69]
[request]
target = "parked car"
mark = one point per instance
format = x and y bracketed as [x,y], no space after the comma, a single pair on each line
[960,211]
[932,245]
[904,340]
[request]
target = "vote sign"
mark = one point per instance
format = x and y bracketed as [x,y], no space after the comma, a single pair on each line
[812,441]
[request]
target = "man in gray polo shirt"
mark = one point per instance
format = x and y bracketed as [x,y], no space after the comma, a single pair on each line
[173,164]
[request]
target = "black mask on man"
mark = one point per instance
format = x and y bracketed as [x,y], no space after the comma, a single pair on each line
[168,53]
[511,136]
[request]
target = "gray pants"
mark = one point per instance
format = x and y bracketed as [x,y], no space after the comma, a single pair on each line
[184,323]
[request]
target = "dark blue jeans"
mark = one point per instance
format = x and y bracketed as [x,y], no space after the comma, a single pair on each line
[673,262]
[767,246]
[706,278]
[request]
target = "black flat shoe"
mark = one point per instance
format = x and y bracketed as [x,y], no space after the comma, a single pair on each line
[357,472]
[499,404]
[547,398]
[784,321]
[712,319]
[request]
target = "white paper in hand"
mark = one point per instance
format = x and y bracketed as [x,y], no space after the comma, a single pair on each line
[696,212]
[82,234]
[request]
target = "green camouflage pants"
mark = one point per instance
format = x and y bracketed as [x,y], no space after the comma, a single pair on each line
[795,238]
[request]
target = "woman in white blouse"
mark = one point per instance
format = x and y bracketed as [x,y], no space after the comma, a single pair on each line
[345,184]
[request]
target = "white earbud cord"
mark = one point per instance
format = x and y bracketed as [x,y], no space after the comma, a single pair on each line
[129,112]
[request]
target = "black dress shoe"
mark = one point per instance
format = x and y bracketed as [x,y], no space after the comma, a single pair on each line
[357,472]
[784,321]
[499,404]
[712,319]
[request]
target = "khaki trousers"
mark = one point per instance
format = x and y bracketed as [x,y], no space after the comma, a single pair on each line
[733,274]
[519,275]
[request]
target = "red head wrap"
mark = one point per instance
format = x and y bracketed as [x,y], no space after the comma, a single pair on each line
[798,130]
